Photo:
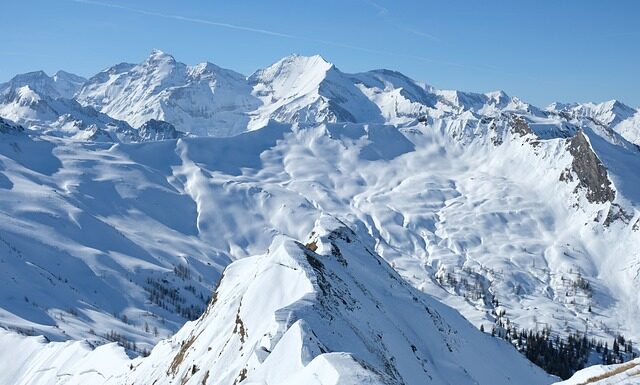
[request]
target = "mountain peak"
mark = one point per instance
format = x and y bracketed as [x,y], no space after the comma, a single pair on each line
[616,104]
[157,57]
[29,78]
[205,68]
[61,84]
[297,65]
[313,61]
[498,95]
[610,112]
[64,75]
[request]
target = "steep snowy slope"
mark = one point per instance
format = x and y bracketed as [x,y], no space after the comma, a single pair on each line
[400,99]
[94,245]
[328,312]
[309,89]
[208,100]
[203,99]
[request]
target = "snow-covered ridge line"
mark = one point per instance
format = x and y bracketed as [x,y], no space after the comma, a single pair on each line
[619,374]
[330,312]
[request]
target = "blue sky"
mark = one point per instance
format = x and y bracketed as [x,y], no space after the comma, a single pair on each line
[541,51]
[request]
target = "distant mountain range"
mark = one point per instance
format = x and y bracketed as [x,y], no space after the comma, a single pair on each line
[207,100]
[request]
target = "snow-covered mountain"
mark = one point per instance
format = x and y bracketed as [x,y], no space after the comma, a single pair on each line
[507,212]
[45,104]
[36,101]
[208,100]
[328,312]
[61,85]
[614,114]
[309,89]
[203,99]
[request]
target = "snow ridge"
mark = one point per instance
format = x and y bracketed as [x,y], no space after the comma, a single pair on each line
[328,312]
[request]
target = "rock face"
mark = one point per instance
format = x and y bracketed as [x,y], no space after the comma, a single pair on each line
[7,126]
[592,174]
[336,315]
[154,130]
[519,126]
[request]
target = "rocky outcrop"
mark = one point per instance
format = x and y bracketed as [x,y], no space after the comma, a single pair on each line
[153,130]
[7,127]
[520,126]
[591,173]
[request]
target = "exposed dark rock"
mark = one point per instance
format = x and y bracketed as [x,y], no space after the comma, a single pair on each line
[239,327]
[154,130]
[616,212]
[7,127]
[313,246]
[591,173]
[520,126]
[566,176]
[179,357]
[496,136]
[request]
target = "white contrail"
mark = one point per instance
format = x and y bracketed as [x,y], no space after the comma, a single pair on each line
[248,29]
[184,18]
[281,34]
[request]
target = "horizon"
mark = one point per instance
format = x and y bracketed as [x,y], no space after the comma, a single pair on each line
[87,77]
[448,46]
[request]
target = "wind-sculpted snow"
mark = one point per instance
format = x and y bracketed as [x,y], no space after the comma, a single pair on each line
[35,361]
[131,238]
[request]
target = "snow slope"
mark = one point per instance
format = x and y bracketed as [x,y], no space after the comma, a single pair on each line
[88,247]
[41,103]
[61,85]
[326,313]
[330,312]
[34,361]
[309,89]
[106,225]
